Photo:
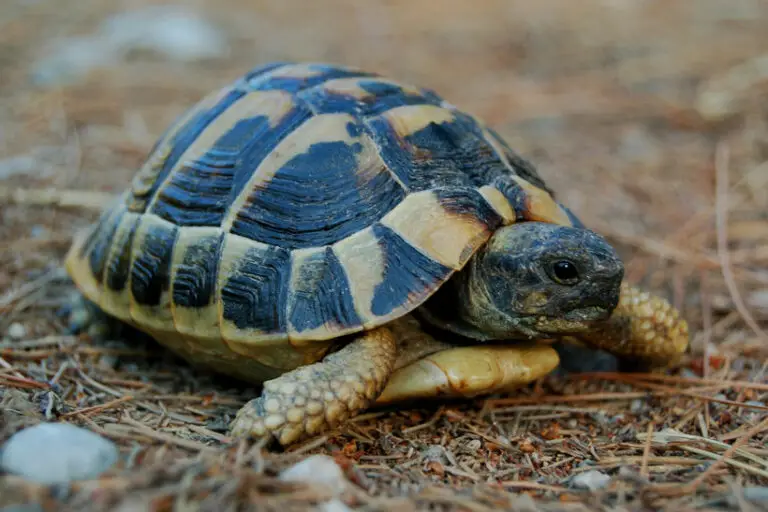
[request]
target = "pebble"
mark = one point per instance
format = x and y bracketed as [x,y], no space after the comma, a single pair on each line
[435,453]
[173,32]
[334,505]
[591,480]
[735,499]
[177,32]
[319,470]
[38,231]
[637,405]
[17,331]
[722,95]
[26,507]
[759,300]
[56,453]
[756,494]
[689,374]
[40,162]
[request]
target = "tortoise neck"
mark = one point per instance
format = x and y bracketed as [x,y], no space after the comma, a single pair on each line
[464,307]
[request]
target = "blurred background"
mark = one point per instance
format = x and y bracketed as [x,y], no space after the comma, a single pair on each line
[620,103]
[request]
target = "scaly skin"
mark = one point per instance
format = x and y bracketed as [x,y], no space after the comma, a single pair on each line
[643,326]
[320,396]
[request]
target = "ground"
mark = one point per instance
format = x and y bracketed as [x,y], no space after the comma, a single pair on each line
[648,118]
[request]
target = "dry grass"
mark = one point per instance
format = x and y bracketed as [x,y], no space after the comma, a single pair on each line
[606,97]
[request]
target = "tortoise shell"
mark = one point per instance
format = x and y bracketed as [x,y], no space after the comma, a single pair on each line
[301,203]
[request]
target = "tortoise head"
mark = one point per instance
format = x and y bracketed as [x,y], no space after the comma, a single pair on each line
[531,280]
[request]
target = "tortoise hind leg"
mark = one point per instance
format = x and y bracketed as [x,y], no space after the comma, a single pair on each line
[84,316]
[318,397]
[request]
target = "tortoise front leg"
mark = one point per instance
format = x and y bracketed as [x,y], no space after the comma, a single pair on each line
[318,397]
[643,328]
[429,368]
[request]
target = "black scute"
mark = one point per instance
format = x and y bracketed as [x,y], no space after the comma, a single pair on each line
[100,243]
[272,80]
[194,285]
[151,272]
[186,135]
[384,96]
[317,198]
[448,154]
[321,294]
[408,274]
[118,268]
[260,71]
[468,203]
[199,194]
[255,295]
[524,168]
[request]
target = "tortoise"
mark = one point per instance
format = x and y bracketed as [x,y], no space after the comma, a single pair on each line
[348,240]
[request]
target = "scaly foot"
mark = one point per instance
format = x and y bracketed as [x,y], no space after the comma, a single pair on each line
[642,327]
[318,397]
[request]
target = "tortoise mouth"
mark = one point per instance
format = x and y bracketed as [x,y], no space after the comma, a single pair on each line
[589,314]
[575,321]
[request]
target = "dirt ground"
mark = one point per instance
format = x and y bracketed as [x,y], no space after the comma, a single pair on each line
[647,117]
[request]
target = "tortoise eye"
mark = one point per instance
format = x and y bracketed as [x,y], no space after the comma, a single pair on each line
[565,272]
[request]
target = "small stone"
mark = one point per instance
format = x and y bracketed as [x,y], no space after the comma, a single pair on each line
[52,453]
[756,494]
[175,33]
[722,95]
[17,331]
[688,373]
[759,300]
[334,505]
[320,470]
[38,231]
[435,452]
[25,507]
[591,480]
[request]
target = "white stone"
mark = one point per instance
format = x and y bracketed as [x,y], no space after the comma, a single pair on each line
[759,299]
[592,480]
[334,505]
[52,453]
[16,331]
[320,470]
[176,32]
[173,32]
